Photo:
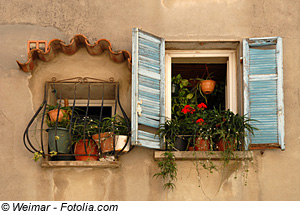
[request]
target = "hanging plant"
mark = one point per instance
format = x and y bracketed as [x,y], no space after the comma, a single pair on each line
[208,85]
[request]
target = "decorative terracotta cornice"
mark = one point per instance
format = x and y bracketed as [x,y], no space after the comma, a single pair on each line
[77,41]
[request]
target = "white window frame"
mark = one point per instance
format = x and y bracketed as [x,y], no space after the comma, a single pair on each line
[231,91]
[92,103]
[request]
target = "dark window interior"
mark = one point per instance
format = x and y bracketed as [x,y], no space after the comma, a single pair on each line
[94,112]
[218,72]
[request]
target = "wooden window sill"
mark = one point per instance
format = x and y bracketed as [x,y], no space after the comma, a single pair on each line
[84,164]
[204,155]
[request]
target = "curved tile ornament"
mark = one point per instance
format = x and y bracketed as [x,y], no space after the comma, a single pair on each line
[76,42]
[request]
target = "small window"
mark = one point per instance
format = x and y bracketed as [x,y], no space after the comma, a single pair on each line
[81,119]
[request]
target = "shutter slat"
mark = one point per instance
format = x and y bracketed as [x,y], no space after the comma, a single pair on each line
[150,144]
[149,122]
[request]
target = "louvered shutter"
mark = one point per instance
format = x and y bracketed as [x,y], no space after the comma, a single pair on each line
[263,90]
[148,88]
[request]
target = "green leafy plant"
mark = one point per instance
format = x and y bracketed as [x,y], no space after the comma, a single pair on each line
[181,94]
[84,128]
[231,130]
[168,170]
[120,124]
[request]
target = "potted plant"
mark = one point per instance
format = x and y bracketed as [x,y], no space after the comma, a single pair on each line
[58,131]
[171,131]
[121,134]
[82,133]
[232,129]
[207,85]
[106,131]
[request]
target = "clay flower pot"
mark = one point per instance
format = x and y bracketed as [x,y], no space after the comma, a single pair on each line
[91,149]
[208,86]
[201,144]
[53,115]
[106,141]
[222,145]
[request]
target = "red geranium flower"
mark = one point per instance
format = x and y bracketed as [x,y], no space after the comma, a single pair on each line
[188,109]
[200,121]
[202,105]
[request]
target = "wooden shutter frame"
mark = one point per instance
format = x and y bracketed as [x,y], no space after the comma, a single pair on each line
[280,99]
[135,85]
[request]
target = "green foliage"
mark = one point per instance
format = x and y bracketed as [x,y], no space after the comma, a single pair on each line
[121,127]
[168,170]
[181,95]
[85,128]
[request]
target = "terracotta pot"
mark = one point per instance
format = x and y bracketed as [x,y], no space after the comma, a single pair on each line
[222,145]
[106,141]
[191,148]
[202,145]
[53,115]
[208,86]
[91,148]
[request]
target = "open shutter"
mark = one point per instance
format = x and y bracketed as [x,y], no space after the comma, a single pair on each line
[148,88]
[263,90]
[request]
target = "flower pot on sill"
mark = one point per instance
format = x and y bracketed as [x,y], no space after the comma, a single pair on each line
[120,143]
[222,145]
[63,143]
[201,144]
[53,115]
[106,141]
[180,144]
[91,149]
[208,86]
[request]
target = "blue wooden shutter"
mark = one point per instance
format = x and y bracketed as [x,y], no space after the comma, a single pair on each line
[263,90]
[148,88]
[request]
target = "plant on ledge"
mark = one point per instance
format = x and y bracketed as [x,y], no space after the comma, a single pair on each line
[205,130]
[168,170]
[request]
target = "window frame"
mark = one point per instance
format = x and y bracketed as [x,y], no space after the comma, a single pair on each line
[232,87]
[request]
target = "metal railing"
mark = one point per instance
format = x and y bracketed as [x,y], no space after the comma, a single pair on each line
[78,88]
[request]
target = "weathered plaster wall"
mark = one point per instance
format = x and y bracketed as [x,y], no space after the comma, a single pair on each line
[273,175]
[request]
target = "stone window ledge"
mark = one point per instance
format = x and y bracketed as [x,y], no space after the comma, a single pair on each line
[84,164]
[202,155]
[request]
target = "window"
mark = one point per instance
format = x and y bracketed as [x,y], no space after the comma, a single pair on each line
[227,57]
[93,124]
[151,87]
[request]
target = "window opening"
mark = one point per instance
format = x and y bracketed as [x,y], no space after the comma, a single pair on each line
[193,72]
[90,121]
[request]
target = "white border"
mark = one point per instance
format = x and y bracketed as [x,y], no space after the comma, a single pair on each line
[232,73]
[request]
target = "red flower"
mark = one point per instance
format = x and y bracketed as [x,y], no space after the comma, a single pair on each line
[188,109]
[200,121]
[202,105]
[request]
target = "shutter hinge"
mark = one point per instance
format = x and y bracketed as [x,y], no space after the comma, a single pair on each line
[139,108]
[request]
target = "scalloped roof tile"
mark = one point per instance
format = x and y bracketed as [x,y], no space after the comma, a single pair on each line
[76,42]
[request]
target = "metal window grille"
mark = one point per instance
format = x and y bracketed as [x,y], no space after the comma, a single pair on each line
[91,130]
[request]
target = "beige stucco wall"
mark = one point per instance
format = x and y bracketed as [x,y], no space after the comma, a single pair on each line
[273,175]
